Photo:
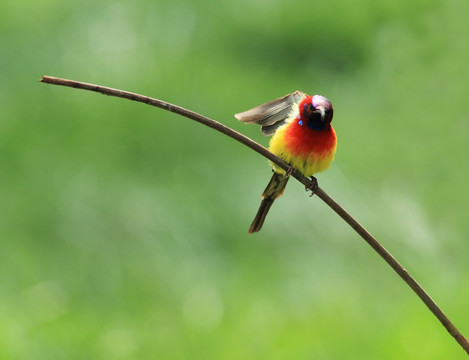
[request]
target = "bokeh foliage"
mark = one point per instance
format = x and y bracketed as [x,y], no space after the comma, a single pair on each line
[123,228]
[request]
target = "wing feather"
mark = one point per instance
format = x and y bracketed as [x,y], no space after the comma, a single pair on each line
[272,114]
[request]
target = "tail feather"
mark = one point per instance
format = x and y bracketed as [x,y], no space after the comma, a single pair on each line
[274,189]
[261,214]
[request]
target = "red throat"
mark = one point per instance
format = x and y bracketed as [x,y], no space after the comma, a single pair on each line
[303,141]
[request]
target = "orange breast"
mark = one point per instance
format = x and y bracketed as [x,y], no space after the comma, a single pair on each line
[309,151]
[304,142]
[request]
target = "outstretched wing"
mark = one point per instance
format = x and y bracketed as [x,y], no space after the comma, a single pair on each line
[272,114]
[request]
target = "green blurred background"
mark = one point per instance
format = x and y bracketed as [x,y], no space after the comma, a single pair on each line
[123,228]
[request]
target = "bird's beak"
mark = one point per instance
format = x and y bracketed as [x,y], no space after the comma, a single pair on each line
[321,111]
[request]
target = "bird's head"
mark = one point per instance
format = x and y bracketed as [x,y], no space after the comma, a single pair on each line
[315,112]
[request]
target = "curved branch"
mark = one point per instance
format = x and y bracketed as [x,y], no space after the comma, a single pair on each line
[396,266]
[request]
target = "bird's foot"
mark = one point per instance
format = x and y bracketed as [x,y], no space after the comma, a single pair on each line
[289,171]
[314,186]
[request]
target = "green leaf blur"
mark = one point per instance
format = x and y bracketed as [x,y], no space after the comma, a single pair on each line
[123,228]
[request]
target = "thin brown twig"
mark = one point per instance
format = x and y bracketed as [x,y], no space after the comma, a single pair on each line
[396,266]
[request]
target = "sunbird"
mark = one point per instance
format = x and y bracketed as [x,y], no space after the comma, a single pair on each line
[302,136]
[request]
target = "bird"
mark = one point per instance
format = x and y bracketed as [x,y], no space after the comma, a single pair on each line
[303,137]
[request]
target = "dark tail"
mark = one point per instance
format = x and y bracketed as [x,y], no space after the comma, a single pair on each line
[274,189]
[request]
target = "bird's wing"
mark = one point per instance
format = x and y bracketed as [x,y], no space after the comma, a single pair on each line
[272,114]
